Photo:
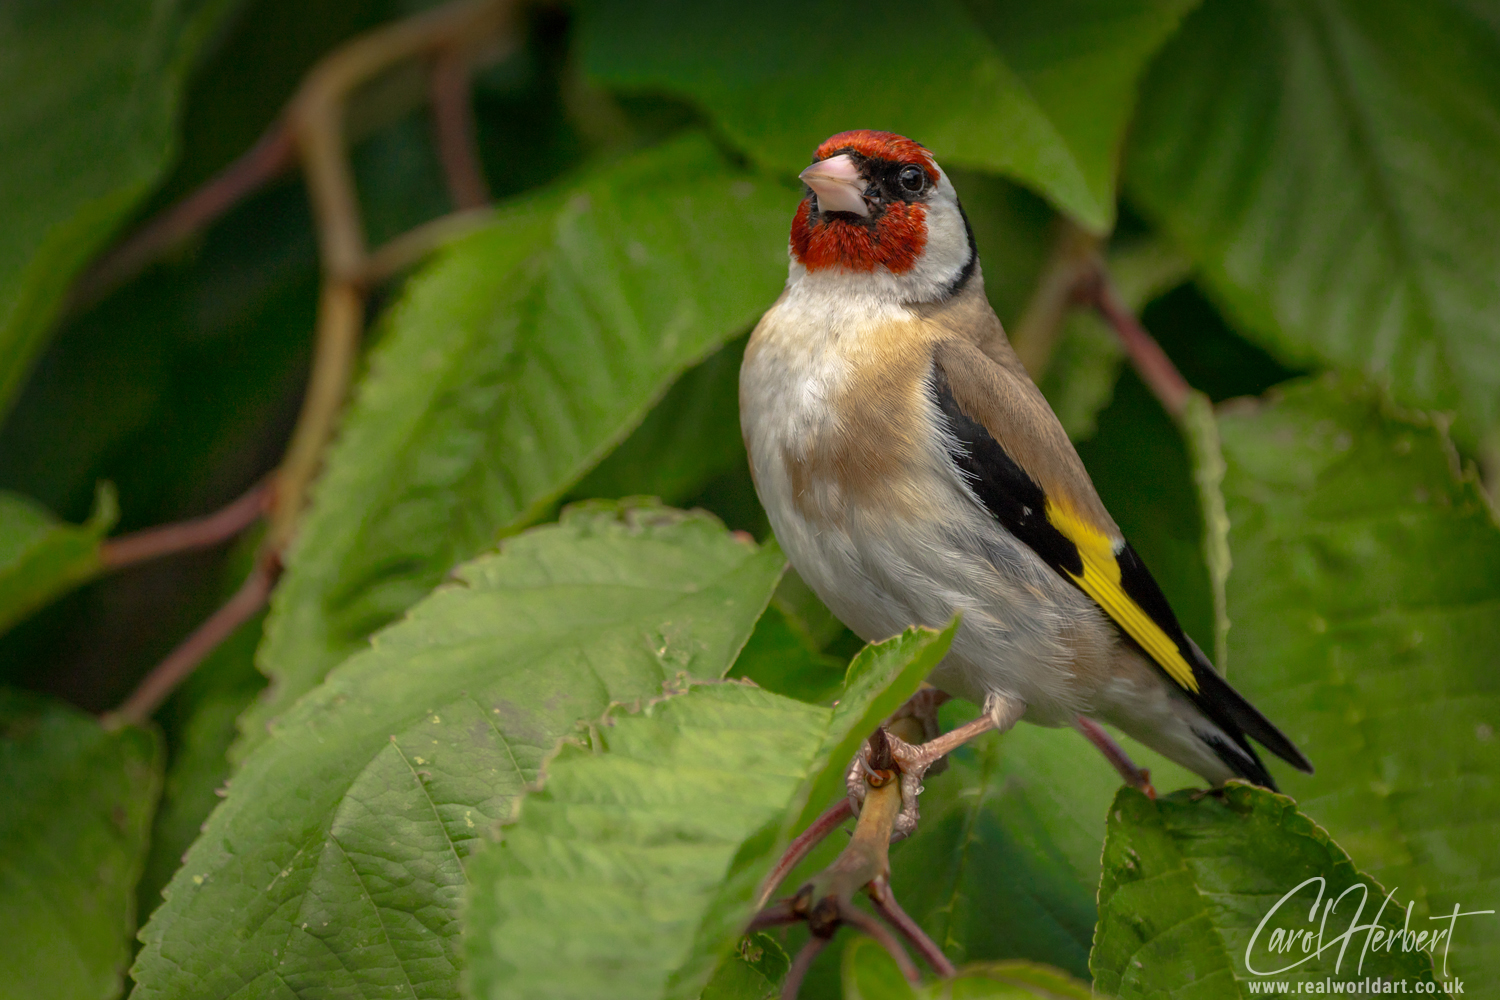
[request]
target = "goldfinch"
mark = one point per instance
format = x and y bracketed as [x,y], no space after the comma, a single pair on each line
[910,469]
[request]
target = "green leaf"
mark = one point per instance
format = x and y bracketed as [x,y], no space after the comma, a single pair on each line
[1363,597]
[687,439]
[1040,93]
[78,803]
[335,864]
[41,557]
[1006,863]
[754,971]
[633,871]
[869,973]
[1195,886]
[1329,167]
[510,367]
[88,129]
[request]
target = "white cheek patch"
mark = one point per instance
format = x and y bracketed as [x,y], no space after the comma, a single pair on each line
[947,252]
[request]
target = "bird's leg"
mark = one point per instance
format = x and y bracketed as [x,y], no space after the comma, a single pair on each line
[920,710]
[888,772]
[1136,777]
[914,760]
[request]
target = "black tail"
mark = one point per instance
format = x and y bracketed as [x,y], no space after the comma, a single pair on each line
[1229,710]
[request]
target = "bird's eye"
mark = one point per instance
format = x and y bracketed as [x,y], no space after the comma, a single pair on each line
[912,177]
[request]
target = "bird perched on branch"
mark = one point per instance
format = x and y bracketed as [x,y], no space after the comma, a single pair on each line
[911,469]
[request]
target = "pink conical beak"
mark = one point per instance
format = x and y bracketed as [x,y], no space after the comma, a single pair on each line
[838,185]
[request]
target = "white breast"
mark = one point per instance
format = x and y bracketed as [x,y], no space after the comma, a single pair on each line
[878,572]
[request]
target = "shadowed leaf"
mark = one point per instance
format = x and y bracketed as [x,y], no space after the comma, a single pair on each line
[1040,93]
[1189,880]
[41,557]
[88,125]
[1329,167]
[1363,622]
[73,832]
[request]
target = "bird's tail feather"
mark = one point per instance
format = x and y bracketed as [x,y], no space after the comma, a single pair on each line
[1238,718]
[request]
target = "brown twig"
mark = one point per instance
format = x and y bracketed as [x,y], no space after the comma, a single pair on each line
[885,904]
[862,921]
[800,964]
[198,533]
[182,661]
[401,252]
[1151,362]
[340,321]
[312,130]
[273,155]
[453,125]
[803,845]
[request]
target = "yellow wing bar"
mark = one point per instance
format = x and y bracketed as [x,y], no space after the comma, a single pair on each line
[1101,581]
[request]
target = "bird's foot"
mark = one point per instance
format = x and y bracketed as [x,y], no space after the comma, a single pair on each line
[1136,777]
[826,901]
[911,762]
[884,783]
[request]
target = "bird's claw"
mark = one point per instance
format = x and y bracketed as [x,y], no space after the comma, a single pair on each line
[913,761]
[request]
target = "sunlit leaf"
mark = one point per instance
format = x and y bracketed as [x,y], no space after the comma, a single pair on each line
[634,870]
[335,864]
[73,832]
[510,367]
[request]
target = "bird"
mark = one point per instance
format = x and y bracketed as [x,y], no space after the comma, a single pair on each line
[911,469]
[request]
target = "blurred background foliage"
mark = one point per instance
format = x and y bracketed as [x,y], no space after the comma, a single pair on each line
[1297,198]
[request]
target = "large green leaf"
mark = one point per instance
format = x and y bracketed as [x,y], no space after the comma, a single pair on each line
[78,803]
[41,557]
[1363,608]
[687,439]
[510,367]
[635,869]
[1006,863]
[1329,165]
[1203,896]
[335,864]
[869,973]
[92,88]
[1040,92]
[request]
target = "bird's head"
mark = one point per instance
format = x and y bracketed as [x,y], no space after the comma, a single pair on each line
[878,205]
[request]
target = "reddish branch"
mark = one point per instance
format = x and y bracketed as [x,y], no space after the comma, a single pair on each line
[198,533]
[801,847]
[453,123]
[826,901]
[1150,361]
[888,908]
[311,130]
[273,155]
[182,661]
